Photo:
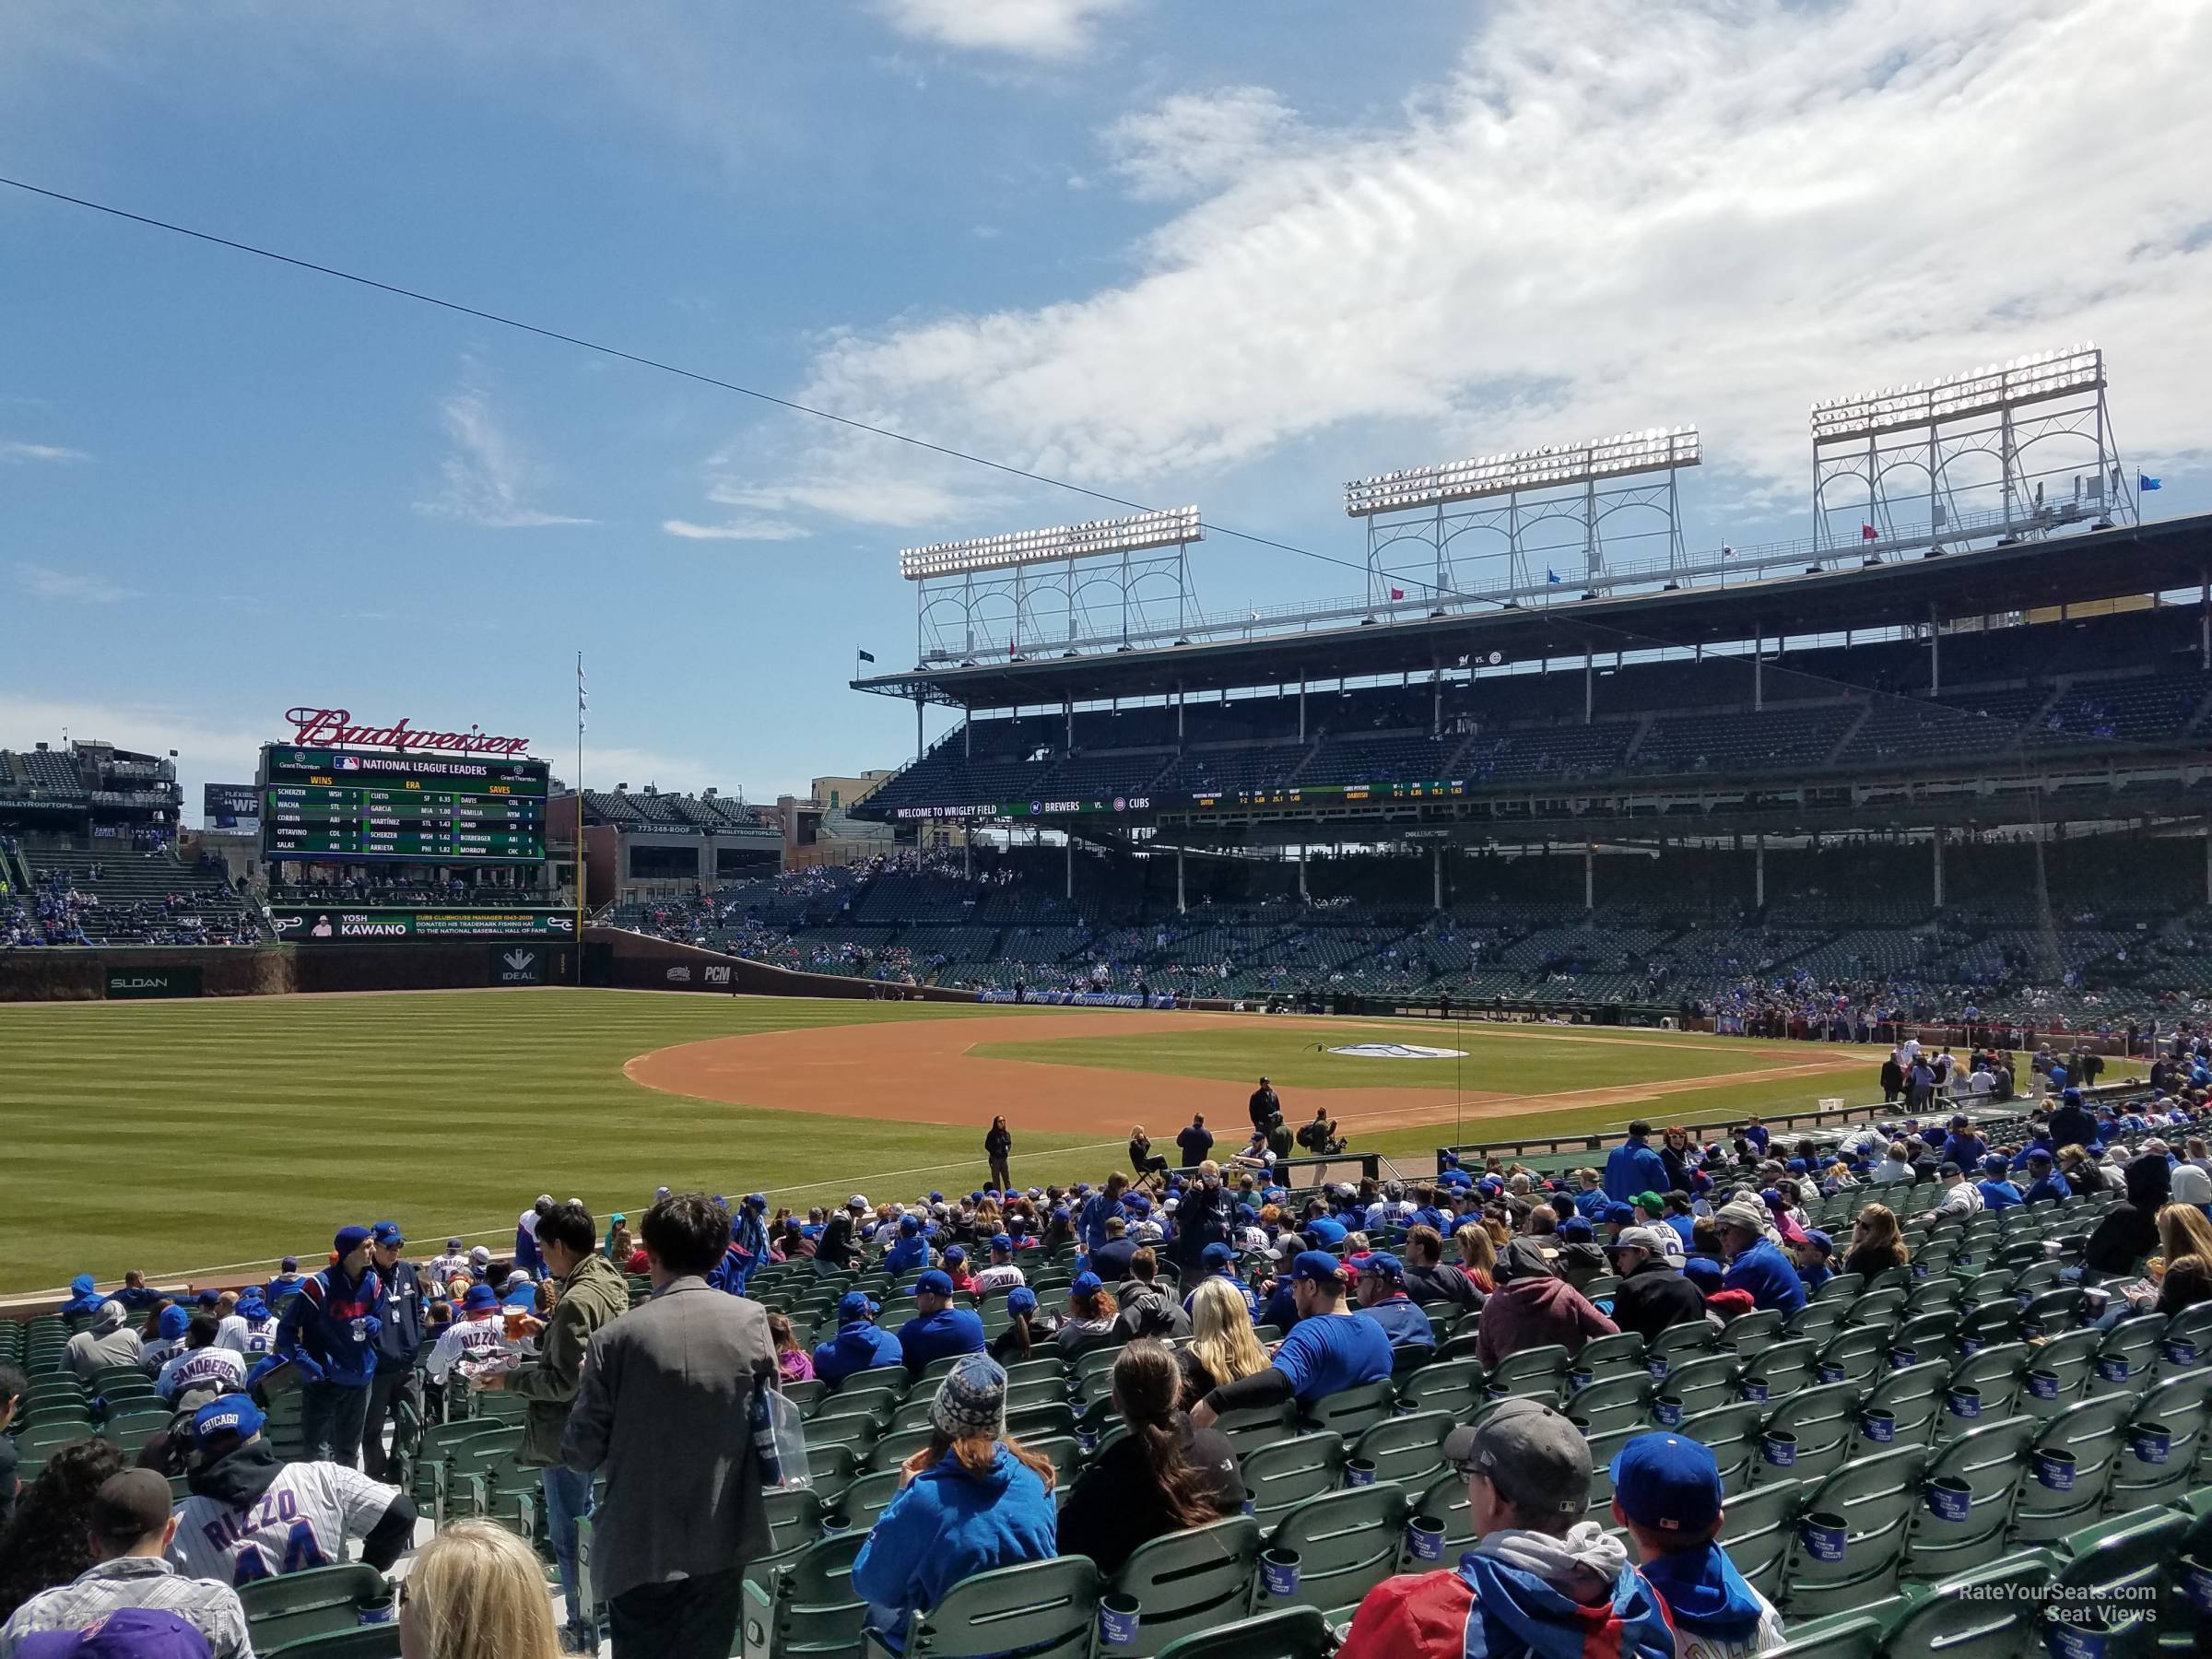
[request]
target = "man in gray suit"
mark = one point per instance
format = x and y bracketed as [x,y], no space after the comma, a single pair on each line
[665,1406]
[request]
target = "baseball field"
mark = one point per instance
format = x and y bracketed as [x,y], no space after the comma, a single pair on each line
[206,1137]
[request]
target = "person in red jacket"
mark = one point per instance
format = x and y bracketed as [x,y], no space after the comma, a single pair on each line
[1540,1582]
[1533,1306]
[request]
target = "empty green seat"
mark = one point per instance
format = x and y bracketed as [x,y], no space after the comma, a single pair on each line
[1873,1500]
[316,1602]
[1286,1633]
[1043,1609]
[1346,1543]
[1993,1613]
[1989,1461]
[1189,1581]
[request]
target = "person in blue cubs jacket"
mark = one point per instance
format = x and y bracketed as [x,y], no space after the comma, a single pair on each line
[1667,1491]
[1540,1583]
[328,1332]
[860,1344]
[973,1500]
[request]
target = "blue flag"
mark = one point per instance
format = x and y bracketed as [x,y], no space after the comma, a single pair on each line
[2144,481]
[1550,575]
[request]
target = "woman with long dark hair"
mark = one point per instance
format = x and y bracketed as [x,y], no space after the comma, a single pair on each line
[46,1541]
[970,1501]
[1030,1330]
[1165,1475]
[998,1145]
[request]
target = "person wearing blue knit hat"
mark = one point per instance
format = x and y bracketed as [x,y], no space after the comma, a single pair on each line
[1667,1491]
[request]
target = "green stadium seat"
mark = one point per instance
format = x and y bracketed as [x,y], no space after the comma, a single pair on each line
[1349,1411]
[1702,1381]
[1346,1543]
[363,1642]
[1990,1461]
[1407,1450]
[1781,1366]
[2104,1574]
[1041,1609]
[317,1601]
[1993,1613]
[1535,1373]
[804,1607]
[2092,1432]
[1286,1633]
[1286,1473]
[1442,1385]
[1853,1354]
[2143,1475]
[1846,1636]
[1824,1422]
[1189,1582]
[1612,1401]
[1730,1434]
[1874,1499]
[1756,1531]
[1752,1332]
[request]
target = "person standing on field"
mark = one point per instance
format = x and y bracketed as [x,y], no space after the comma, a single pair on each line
[998,1145]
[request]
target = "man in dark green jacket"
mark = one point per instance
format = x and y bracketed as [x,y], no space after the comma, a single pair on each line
[593,1295]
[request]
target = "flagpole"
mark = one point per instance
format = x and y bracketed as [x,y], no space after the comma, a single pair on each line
[580,820]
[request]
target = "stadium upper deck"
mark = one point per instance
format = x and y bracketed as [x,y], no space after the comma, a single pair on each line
[1983,687]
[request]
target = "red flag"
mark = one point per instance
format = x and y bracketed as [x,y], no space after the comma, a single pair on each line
[1398,593]
[1866,533]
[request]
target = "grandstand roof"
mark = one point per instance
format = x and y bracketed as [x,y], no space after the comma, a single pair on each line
[2104,564]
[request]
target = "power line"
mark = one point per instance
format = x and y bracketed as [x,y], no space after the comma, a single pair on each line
[665,367]
[1628,638]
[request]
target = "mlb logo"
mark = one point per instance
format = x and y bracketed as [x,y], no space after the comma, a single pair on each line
[350,762]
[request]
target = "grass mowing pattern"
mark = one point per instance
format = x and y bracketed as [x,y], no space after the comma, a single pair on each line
[180,1135]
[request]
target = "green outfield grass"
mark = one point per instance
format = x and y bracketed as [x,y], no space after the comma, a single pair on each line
[176,1136]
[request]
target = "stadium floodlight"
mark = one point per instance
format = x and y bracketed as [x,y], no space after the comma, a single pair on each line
[1055,544]
[1657,449]
[2038,376]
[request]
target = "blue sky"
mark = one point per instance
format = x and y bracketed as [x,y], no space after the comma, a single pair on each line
[1178,252]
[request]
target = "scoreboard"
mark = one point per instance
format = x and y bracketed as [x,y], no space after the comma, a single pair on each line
[339,806]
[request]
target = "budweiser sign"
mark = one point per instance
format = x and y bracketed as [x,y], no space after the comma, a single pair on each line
[331,728]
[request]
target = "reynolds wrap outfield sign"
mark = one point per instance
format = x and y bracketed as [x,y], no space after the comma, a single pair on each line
[330,924]
[132,984]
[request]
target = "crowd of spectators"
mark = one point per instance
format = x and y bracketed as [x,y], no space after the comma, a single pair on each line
[1220,1290]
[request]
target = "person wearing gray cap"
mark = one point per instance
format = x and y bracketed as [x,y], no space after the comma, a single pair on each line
[1540,1581]
[1653,1296]
[130,1527]
[1756,1264]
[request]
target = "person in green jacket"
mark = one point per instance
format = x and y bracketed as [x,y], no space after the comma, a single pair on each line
[593,1294]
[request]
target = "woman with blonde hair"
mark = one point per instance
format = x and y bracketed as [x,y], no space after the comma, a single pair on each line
[1478,1256]
[1224,1347]
[1876,1243]
[476,1592]
[970,1501]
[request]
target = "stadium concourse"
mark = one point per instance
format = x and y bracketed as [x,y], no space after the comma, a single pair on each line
[1929,1385]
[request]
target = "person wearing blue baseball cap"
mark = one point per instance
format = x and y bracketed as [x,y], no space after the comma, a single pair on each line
[1089,1322]
[1331,1348]
[226,1532]
[1995,1185]
[1816,1259]
[910,1250]
[399,1341]
[1667,1491]
[478,1334]
[860,1344]
[938,1328]
[1032,1325]
[329,1334]
[1381,1293]
[1218,1260]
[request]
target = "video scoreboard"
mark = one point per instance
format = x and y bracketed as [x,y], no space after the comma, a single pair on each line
[338,806]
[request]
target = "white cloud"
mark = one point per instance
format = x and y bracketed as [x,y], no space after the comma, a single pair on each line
[1037,28]
[12,448]
[489,473]
[741,529]
[1606,216]
[43,581]
[1196,142]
